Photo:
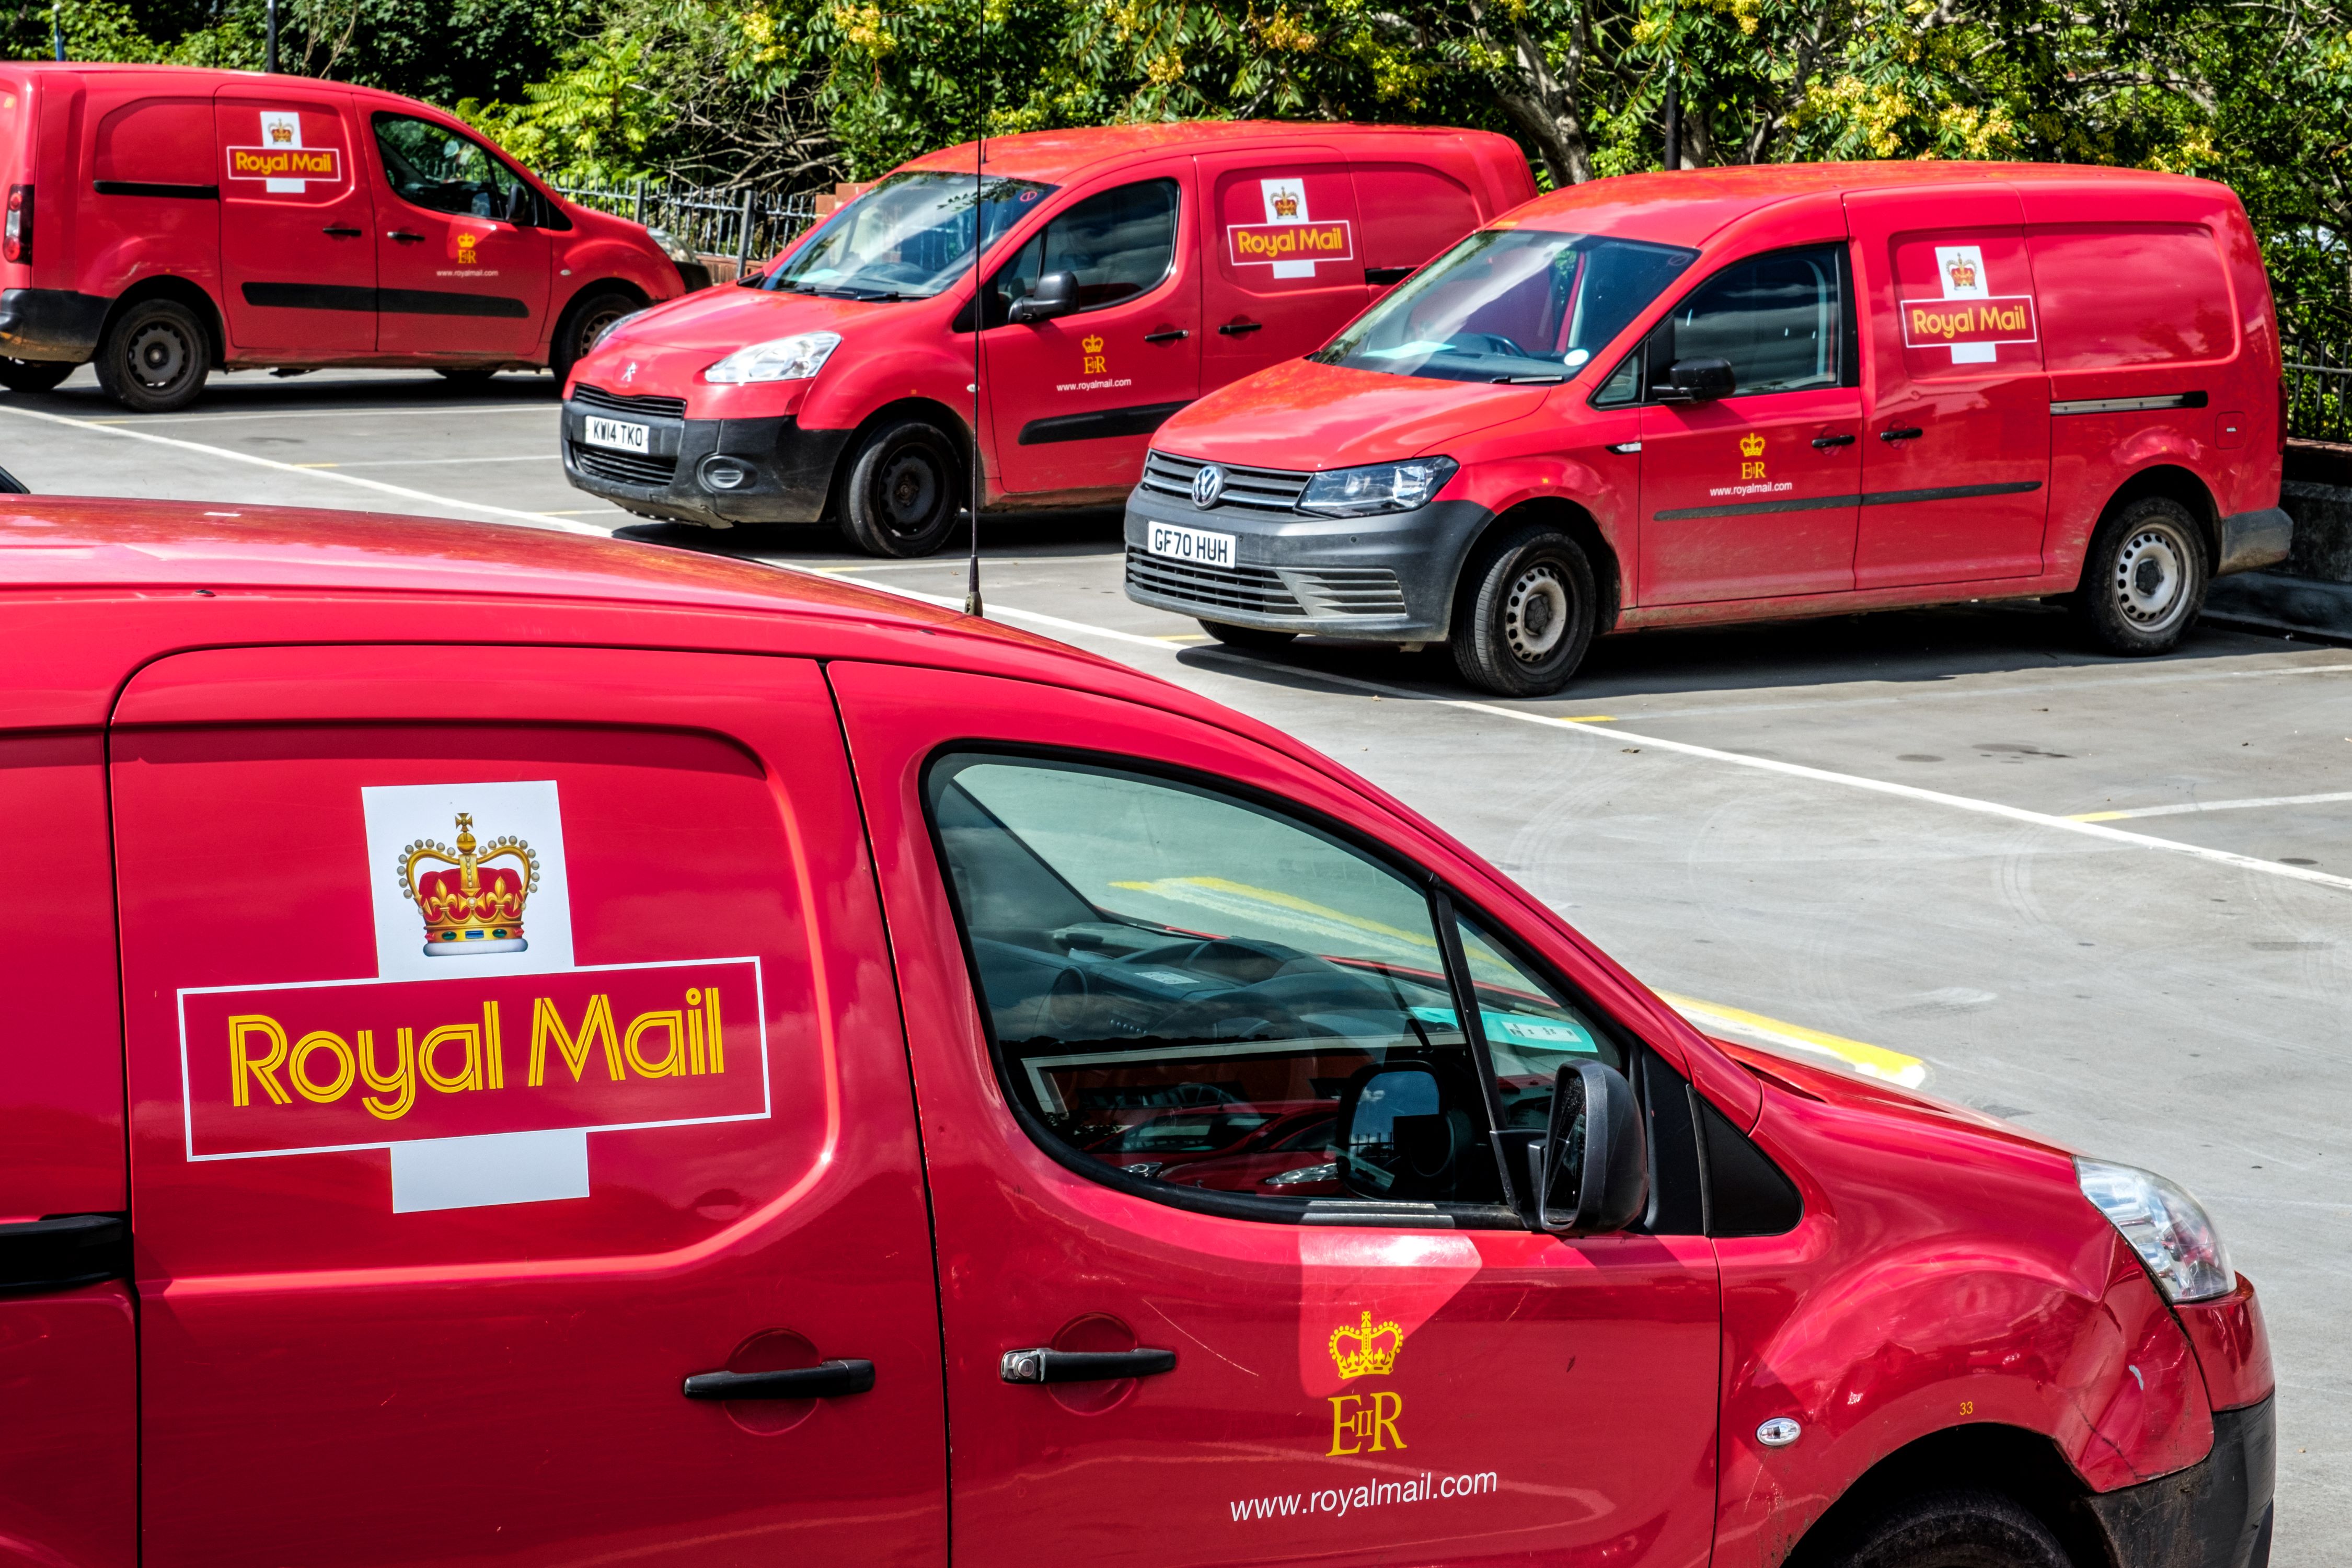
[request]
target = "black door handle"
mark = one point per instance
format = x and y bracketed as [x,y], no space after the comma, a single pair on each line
[1381,276]
[64,1250]
[1084,1366]
[407,235]
[1908,433]
[1172,335]
[342,231]
[1823,442]
[1235,328]
[825,1379]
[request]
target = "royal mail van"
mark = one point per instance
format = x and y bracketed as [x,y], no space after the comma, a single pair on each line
[1745,395]
[555,1051]
[166,222]
[1124,271]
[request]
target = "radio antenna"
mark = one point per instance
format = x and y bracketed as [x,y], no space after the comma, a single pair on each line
[971,605]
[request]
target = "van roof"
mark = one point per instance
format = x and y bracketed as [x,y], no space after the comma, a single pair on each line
[1688,206]
[1057,156]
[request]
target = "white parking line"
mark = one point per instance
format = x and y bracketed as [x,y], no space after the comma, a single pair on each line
[441,462]
[2194,806]
[330,413]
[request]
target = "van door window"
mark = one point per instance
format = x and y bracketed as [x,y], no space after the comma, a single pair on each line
[434,167]
[1192,989]
[1117,245]
[1779,320]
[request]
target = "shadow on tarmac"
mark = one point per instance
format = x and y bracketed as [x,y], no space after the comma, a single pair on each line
[1093,530]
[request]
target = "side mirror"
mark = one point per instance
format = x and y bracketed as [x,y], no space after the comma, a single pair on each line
[1699,381]
[1592,1171]
[752,280]
[522,207]
[1056,294]
[1398,1137]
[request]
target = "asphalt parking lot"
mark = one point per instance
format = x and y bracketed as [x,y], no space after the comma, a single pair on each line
[2105,899]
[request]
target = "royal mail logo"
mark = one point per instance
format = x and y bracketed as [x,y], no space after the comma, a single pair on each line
[1751,445]
[1366,1423]
[1366,1350]
[466,241]
[2002,318]
[1091,343]
[474,904]
[281,135]
[299,163]
[1960,275]
[1259,244]
[1286,205]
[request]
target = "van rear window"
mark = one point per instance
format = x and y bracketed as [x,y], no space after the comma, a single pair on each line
[2126,294]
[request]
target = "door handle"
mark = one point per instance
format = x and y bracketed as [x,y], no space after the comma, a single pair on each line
[342,231]
[825,1379]
[1172,335]
[407,235]
[1235,328]
[64,1250]
[1907,433]
[1084,1366]
[1823,442]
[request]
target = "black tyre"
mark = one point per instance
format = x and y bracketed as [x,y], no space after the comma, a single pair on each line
[154,357]
[1255,639]
[904,491]
[2143,578]
[33,374]
[583,323]
[1524,614]
[1954,1530]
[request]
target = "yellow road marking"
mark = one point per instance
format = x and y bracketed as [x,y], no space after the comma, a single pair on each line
[1593,718]
[2096,815]
[1181,636]
[318,465]
[1871,1061]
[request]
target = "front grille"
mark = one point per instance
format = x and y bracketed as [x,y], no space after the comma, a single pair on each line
[1258,589]
[1347,590]
[623,468]
[1253,489]
[605,402]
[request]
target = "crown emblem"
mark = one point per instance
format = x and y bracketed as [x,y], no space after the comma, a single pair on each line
[465,242]
[1369,1349]
[281,134]
[1091,343]
[472,906]
[1751,445]
[1963,275]
[1285,207]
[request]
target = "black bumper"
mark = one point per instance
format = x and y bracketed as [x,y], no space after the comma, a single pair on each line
[50,324]
[2214,1514]
[787,473]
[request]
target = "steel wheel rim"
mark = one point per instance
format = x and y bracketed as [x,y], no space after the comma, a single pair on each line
[2151,577]
[909,487]
[593,323]
[159,355]
[1536,614]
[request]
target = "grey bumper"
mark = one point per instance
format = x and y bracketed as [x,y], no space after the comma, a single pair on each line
[1385,579]
[787,473]
[2252,540]
[2214,1514]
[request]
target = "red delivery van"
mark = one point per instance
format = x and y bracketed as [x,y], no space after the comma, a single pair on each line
[1745,395]
[165,222]
[1126,271]
[630,1089]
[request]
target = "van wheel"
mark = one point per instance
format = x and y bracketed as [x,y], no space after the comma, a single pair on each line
[585,321]
[1955,1530]
[1524,614]
[33,374]
[154,357]
[1255,640]
[904,491]
[2143,578]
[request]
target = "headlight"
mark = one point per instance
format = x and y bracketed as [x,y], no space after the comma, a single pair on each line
[2165,1227]
[795,358]
[1382,487]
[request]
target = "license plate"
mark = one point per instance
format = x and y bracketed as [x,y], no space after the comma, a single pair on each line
[1195,545]
[618,434]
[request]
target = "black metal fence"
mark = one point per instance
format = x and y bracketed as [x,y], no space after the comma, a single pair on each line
[740,225]
[2317,338]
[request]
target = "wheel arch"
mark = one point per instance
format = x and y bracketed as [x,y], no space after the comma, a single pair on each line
[563,318]
[2174,483]
[931,410]
[180,290]
[2021,1465]
[1563,516]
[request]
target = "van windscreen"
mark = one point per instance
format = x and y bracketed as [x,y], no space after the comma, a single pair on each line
[908,237]
[1516,305]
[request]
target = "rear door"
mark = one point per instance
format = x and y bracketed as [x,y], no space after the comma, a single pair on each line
[1412,212]
[457,280]
[1283,258]
[511,1040]
[298,226]
[1956,460]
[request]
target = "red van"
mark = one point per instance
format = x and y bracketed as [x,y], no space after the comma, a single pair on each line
[164,222]
[1745,395]
[630,1085]
[1128,270]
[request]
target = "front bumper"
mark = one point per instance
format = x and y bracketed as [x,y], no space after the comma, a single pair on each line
[50,324]
[2214,1514]
[1386,579]
[787,470]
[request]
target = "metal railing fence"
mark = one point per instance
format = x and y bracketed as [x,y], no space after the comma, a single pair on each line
[722,223]
[2317,338]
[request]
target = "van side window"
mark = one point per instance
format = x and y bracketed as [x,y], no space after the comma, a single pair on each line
[1204,999]
[436,168]
[1778,319]
[1119,244]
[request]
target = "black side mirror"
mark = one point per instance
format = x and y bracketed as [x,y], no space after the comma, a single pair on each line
[1397,1136]
[1056,294]
[1699,381]
[522,206]
[752,280]
[1592,1171]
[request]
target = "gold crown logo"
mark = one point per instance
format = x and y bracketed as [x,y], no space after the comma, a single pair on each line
[1751,445]
[1374,1350]
[1963,275]
[1285,207]
[281,133]
[472,906]
[1091,343]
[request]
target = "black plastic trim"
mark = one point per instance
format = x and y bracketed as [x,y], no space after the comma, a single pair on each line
[1825,503]
[147,188]
[1100,425]
[387,301]
[826,1380]
[2214,1514]
[60,1252]
[1381,276]
[51,323]
[1747,1194]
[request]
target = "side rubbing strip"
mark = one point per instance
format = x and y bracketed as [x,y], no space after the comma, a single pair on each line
[1823,503]
[143,188]
[2128,405]
[1949,492]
